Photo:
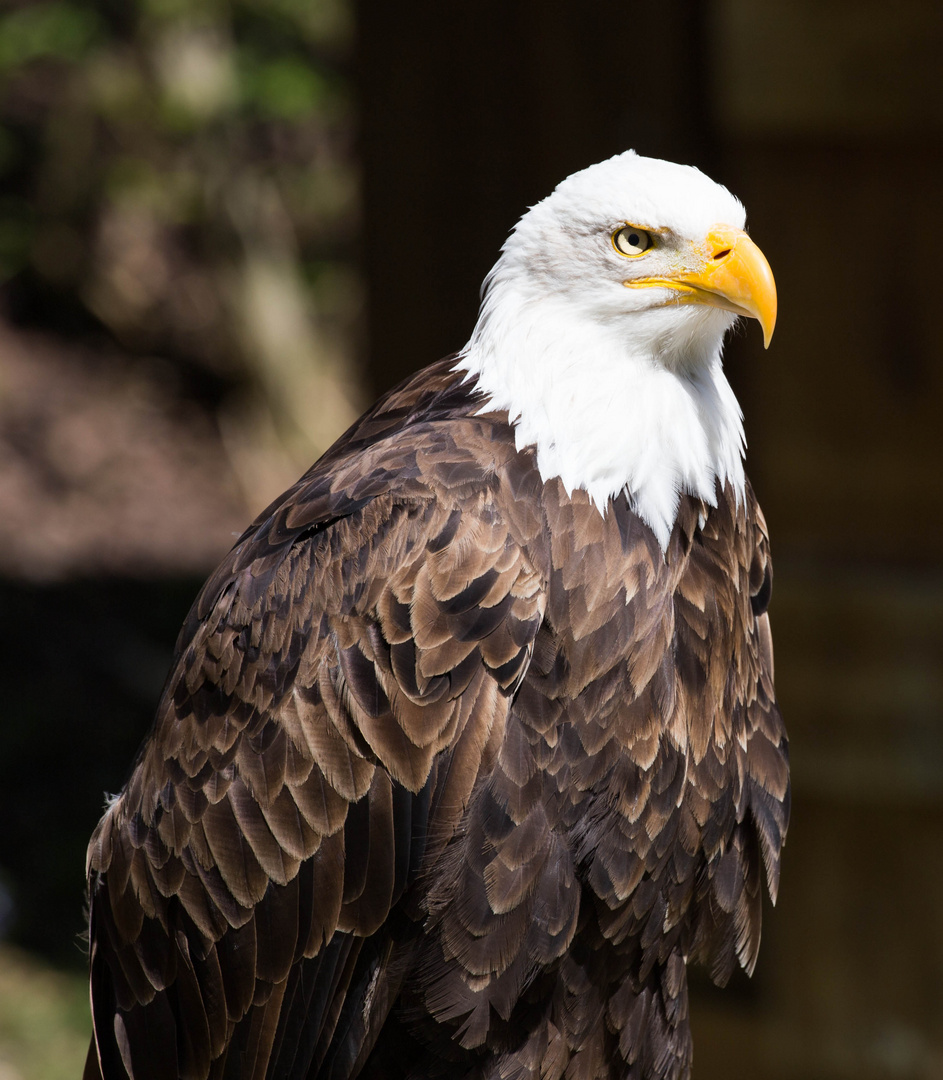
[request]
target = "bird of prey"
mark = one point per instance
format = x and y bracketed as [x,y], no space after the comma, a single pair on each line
[470,744]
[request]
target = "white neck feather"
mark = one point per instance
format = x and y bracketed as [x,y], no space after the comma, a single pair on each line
[625,403]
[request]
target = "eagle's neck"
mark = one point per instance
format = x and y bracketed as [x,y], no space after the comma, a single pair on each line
[611,407]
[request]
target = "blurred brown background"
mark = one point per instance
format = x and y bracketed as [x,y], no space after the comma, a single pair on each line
[225,225]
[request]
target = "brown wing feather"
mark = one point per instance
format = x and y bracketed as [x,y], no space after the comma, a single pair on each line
[358,635]
[444,737]
[641,782]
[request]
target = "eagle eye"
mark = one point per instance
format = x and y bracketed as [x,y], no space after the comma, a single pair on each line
[631,241]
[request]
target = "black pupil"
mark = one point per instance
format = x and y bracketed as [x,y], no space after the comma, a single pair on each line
[635,240]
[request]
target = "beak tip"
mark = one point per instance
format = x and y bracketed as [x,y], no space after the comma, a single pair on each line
[769,325]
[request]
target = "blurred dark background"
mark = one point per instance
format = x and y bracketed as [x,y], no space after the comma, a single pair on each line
[226,225]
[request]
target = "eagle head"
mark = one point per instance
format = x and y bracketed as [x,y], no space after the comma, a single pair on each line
[601,333]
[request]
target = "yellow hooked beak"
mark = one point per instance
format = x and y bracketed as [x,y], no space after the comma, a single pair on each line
[731,273]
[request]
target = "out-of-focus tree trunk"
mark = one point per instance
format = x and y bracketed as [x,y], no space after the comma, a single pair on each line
[303,369]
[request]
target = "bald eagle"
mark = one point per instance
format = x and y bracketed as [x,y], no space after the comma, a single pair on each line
[470,744]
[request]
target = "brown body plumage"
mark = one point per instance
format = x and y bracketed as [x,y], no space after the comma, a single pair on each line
[453,775]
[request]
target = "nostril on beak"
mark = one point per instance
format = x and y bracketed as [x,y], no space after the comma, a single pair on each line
[722,254]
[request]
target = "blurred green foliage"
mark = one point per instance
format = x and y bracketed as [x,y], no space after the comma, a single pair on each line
[64,31]
[150,149]
[44,1019]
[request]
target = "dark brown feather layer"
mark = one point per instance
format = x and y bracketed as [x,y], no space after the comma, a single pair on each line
[452,772]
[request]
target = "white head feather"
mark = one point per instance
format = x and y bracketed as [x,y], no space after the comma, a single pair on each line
[615,389]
